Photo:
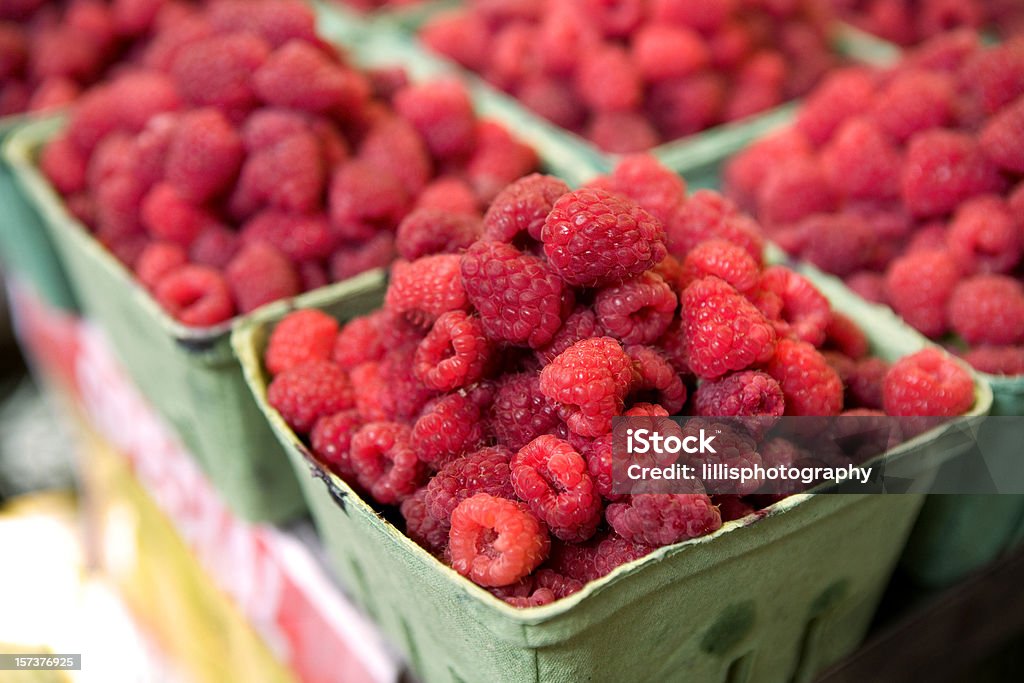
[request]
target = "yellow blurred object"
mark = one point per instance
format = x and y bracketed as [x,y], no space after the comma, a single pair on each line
[30,676]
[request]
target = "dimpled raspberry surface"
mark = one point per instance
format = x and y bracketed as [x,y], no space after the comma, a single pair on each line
[664,518]
[301,337]
[927,383]
[589,380]
[496,541]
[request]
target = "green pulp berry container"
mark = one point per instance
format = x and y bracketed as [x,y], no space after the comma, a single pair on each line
[353,25]
[25,245]
[772,597]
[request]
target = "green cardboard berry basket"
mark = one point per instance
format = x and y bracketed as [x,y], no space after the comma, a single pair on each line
[351,25]
[25,246]
[775,598]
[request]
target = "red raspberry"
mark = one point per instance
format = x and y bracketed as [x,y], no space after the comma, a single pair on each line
[742,394]
[607,80]
[643,179]
[520,209]
[447,429]
[615,18]
[359,340]
[455,353]
[394,146]
[52,94]
[621,132]
[331,440]
[914,100]
[809,384]
[497,160]
[168,216]
[637,311]
[746,171]
[385,461]
[520,412]
[805,311]
[353,259]
[843,94]
[289,175]
[724,260]
[734,445]
[997,360]
[553,479]
[422,527]
[994,77]
[425,288]
[947,52]
[299,237]
[984,236]
[442,113]
[519,299]
[462,36]
[864,385]
[553,99]
[204,155]
[684,106]
[795,189]
[707,215]
[943,169]
[260,274]
[308,392]
[63,165]
[172,37]
[512,57]
[989,310]
[215,246]
[664,52]
[485,471]
[134,17]
[448,194]
[125,104]
[590,379]
[664,518]
[300,337]
[838,243]
[195,295]
[276,21]
[217,72]
[435,231]
[494,541]
[939,16]
[312,275]
[918,287]
[759,86]
[372,394]
[656,379]
[844,335]
[581,324]
[267,127]
[724,331]
[927,383]
[158,259]
[362,196]
[1001,138]
[593,238]
[861,163]
[117,203]
[300,76]
[702,15]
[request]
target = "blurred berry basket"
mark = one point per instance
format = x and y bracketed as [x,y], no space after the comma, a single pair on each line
[25,246]
[777,595]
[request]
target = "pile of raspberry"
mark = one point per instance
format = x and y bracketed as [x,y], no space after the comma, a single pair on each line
[909,184]
[480,398]
[630,75]
[910,22]
[240,160]
[50,50]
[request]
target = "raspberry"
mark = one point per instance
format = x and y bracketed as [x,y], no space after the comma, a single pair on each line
[735,446]
[590,379]
[684,106]
[216,72]
[988,309]
[455,353]
[267,127]
[276,21]
[358,341]
[351,260]
[158,259]
[52,94]
[485,471]
[997,360]
[636,311]
[394,146]
[300,337]
[117,203]
[448,194]
[300,76]
[204,155]
[607,80]
[126,104]
[1001,138]
[134,17]
[580,324]
[621,132]
[984,236]
[520,209]
[519,299]
[497,160]
[448,428]
[861,163]
[195,295]
[722,259]
[308,392]
[385,461]
[172,38]
[702,15]
[215,246]
[260,274]
[331,440]
[943,169]
[742,394]
[593,238]
[844,335]
[795,189]
[809,384]
[656,379]
[168,216]
[494,541]
[995,77]
[759,86]
[663,52]
[913,101]
[553,99]
[422,527]
[299,237]
[553,479]
[939,16]
[918,287]
[707,215]
[520,412]
[288,175]
[462,36]
[442,114]
[864,385]
[659,519]
[435,231]
[643,179]
[927,383]
[63,165]
[615,18]
[371,397]
[838,243]
[805,311]
[65,51]
[724,331]
[361,196]
[843,94]
[427,287]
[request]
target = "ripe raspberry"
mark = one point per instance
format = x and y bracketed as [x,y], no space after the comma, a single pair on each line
[593,238]
[805,311]
[455,353]
[372,394]
[204,155]
[519,299]
[462,36]
[637,311]
[289,175]
[158,259]
[442,114]
[63,165]
[1001,138]
[300,76]
[520,412]
[494,541]
[300,337]
[796,189]
[988,310]
[447,429]
[385,461]
[844,335]
[331,440]
[607,80]
[843,94]
[927,383]
[520,209]
[745,172]
[943,169]
[742,394]
[621,132]
[352,259]
[497,160]
[299,237]
[864,385]
[656,380]
[260,274]
[809,384]
[861,163]
[276,21]
[590,379]
[425,288]
[435,231]
[53,93]
[643,179]
[362,196]
[117,202]
[423,528]
[707,215]
[195,295]
[663,52]
[838,243]
[997,360]
[215,246]
[994,77]
[984,237]
[914,100]
[724,331]
[760,85]
[450,194]
[553,479]
[485,471]
[580,324]
[168,216]
[358,341]
[918,287]
[267,127]
[308,392]
[217,72]
[722,259]
[659,519]
[688,105]
[553,99]
[394,146]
